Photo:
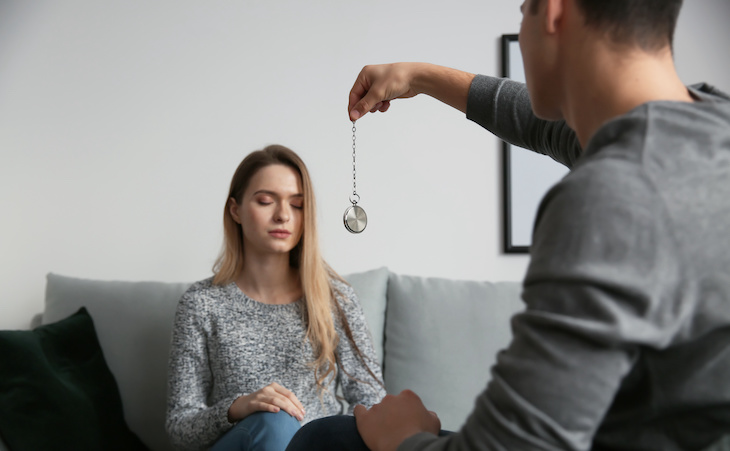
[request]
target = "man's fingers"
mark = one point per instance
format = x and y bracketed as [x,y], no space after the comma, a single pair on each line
[381,106]
[359,410]
[359,88]
[365,104]
[376,107]
[372,102]
[366,94]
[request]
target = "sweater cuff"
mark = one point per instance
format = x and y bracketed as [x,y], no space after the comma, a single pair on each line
[221,413]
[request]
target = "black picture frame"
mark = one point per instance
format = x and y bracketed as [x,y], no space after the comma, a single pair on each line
[526,175]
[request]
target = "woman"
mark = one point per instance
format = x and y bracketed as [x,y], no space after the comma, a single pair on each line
[261,347]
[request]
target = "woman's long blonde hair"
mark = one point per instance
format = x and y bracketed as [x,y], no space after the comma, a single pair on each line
[314,273]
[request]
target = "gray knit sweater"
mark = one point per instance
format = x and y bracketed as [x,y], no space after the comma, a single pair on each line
[226,344]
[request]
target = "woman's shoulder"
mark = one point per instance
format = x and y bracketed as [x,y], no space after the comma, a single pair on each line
[347,298]
[204,291]
[343,290]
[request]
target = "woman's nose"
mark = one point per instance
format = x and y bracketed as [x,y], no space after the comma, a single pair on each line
[282,214]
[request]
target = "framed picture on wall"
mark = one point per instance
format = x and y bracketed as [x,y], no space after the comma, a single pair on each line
[527,176]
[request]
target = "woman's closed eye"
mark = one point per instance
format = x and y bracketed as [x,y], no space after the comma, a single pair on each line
[264,200]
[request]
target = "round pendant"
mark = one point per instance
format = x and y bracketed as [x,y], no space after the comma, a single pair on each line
[355,219]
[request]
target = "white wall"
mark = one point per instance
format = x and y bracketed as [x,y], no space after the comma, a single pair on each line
[121,123]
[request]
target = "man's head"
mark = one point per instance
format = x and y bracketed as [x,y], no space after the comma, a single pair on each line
[648,24]
[551,28]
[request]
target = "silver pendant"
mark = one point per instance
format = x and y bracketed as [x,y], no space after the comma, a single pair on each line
[355,219]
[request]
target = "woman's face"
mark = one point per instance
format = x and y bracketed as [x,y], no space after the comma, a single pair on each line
[271,211]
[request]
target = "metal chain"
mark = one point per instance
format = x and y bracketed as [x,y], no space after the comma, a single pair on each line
[354,171]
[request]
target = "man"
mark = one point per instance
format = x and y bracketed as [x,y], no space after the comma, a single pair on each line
[625,341]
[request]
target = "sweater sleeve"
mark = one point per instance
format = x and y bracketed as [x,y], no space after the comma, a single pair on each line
[191,423]
[503,107]
[358,385]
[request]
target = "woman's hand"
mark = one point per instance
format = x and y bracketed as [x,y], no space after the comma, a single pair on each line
[271,398]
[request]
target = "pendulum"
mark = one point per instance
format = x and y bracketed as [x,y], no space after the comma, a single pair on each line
[355,218]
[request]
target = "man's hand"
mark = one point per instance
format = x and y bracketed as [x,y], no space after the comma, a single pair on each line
[377,85]
[386,425]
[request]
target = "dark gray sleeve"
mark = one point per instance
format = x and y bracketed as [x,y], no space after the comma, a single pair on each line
[503,107]
[594,292]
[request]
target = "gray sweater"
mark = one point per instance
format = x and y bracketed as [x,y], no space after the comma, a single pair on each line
[625,340]
[226,344]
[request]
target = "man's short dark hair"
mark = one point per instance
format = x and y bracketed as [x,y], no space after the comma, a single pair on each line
[647,23]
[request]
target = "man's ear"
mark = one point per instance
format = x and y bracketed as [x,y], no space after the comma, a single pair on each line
[233,209]
[554,12]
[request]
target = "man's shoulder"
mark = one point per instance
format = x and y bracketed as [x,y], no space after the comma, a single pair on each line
[607,180]
[706,88]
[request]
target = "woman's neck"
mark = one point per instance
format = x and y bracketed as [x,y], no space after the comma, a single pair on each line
[270,280]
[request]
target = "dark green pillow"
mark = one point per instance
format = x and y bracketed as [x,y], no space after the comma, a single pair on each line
[56,391]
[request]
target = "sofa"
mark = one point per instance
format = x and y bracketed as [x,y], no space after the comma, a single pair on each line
[436,336]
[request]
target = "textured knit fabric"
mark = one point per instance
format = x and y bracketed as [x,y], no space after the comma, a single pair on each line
[625,340]
[226,344]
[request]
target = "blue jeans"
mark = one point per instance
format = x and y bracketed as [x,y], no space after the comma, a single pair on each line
[261,431]
[337,433]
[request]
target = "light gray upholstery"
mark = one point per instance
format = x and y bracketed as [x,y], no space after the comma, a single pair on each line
[442,338]
[371,288]
[133,321]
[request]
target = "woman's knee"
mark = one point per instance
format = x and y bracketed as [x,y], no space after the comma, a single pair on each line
[279,421]
[271,431]
[261,431]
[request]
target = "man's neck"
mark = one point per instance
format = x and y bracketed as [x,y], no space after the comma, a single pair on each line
[610,82]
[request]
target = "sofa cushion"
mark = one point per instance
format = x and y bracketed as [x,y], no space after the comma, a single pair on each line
[371,288]
[55,387]
[134,325]
[443,336]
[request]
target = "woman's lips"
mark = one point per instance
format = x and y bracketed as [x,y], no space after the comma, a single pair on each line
[280,233]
